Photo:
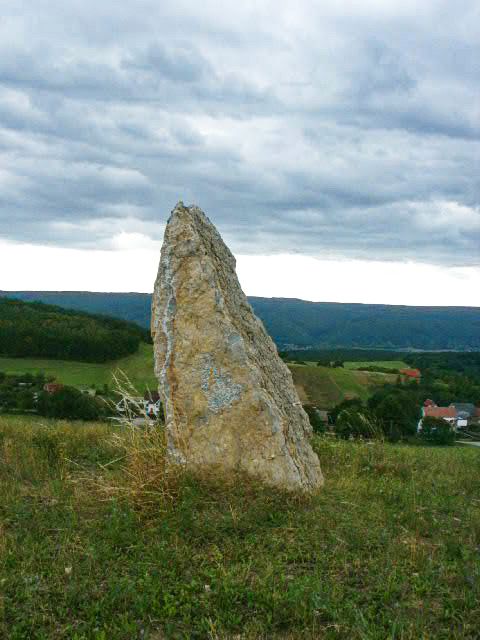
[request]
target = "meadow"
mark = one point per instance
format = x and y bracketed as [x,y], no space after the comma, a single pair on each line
[98,541]
[137,367]
[325,386]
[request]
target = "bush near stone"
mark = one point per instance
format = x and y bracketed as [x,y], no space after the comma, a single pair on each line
[437,431]
[69,403]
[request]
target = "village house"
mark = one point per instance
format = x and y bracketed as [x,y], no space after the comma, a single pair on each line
[459,414]
[150,405]
[410,374]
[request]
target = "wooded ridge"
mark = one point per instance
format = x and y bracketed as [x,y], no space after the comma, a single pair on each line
[34,329]
[293,322]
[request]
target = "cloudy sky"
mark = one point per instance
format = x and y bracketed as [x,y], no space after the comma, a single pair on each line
[335,144]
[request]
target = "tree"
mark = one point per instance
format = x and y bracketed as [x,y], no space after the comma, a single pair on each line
[352,423]
[437,431]
[317,423]
[351,403]
[69,403]
[398,415]
[25,400]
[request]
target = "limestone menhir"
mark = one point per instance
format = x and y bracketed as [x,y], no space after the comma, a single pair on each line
[229,400]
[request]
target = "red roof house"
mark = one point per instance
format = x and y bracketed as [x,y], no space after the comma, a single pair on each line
[439,412]
[411,373]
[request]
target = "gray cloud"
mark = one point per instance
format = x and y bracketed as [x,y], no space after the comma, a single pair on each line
[320,131]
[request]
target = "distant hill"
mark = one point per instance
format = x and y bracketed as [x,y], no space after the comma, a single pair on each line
[297,323]
[35,329]
[328,324]
[133,307]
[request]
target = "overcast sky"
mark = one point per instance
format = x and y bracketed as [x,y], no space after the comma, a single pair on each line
[336,145]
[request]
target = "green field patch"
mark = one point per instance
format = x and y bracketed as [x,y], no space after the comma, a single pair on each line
[137,367]
[325,386]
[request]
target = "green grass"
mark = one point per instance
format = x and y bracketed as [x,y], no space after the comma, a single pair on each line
[138,367]
[388,549]
[326,387]
[388,364]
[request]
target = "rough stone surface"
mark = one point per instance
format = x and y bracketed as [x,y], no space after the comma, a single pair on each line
[229,400]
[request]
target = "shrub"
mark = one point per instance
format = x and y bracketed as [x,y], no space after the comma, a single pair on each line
[398,415]
[351,403]
[69,403]
[318,425]
[352,423]
[437,431]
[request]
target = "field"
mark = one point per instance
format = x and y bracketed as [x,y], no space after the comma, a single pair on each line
[326,386]
[322,386]
[138,367]
[388,549]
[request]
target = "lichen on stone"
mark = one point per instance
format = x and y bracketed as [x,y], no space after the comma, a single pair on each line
[218,386]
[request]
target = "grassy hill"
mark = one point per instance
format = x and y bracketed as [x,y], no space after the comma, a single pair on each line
[312,324]
[325,387]
[138,367]
[95,543]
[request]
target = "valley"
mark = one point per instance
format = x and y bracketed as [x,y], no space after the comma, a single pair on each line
[322,386]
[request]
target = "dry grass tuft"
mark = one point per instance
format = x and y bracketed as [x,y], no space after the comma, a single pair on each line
[145,476]
[141,472]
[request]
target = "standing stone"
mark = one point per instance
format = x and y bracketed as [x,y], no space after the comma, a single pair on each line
[230,403]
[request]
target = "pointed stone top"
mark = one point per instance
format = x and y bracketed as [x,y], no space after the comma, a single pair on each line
[182,208]
[198,227]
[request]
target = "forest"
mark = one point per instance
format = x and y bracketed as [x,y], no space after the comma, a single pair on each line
[35,329]
[298,323]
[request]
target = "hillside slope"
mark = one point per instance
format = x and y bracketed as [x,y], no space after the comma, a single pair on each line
[325,387]
[133,307]
[137,367]
[312,324]
[34,329]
